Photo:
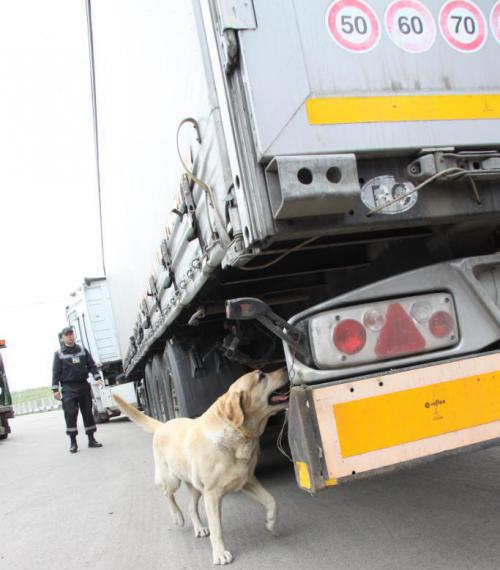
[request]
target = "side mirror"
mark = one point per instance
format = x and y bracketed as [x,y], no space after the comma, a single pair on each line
[247,308]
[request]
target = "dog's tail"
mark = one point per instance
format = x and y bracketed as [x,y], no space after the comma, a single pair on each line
[142,420]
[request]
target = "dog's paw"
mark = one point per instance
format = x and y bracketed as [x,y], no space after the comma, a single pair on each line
[201,531]
[271,518]
[178,519]
[270,524]
[223,557]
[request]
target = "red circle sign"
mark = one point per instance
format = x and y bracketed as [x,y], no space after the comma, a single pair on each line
[463,25]
[410,25]
[353,25]
[495,21]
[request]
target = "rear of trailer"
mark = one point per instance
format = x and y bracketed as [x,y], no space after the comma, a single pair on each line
[333,169]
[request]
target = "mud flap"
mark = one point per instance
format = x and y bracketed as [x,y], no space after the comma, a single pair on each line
[304,439]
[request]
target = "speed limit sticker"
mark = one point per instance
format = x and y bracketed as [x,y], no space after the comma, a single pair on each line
[495,21]
[463,25]
[410,25]
[353,25]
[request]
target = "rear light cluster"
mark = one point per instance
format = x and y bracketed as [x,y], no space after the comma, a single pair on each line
[383,330]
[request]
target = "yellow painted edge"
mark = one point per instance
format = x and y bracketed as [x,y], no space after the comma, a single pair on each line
[331,482]
[303,473]
[402,108]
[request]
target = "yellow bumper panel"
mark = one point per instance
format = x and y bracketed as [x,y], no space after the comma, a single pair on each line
[402,108]
[371,424]
[384,421]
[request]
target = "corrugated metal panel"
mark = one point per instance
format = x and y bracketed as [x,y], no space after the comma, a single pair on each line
[296,55]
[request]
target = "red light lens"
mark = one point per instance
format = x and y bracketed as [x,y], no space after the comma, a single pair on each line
[349,336]
[441,324]
[399,335]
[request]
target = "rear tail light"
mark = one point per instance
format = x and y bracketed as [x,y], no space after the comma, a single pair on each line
[441,324]
[349,336]
[383,330]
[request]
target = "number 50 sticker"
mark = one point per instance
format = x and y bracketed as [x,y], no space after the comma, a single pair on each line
[463,25]
[353,25]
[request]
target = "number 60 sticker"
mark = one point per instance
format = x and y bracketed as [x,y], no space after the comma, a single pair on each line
[463,25]
[410,25]
[353,25]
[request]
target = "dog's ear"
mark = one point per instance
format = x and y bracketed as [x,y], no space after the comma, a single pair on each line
[233,408]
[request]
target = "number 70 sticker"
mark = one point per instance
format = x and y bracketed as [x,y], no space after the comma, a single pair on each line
[463,25]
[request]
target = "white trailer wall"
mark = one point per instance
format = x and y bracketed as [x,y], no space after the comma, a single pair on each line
[149,76]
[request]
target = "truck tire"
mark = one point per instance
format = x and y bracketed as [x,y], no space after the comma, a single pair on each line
[151,392]
[5,424]
[171,394]
[159,378]
[98,417]
[191,391]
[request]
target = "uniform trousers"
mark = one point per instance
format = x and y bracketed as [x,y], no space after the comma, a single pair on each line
[76,397]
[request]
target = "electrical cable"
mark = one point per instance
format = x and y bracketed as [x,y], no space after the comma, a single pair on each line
[210,196]
[283,255]
[279,442]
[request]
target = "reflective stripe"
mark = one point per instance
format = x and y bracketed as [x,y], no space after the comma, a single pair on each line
[400,108]
[63,356]
[90,428]
[68,430]
[303,474]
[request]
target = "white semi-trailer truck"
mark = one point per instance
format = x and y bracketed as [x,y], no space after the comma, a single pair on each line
[91,315]
[311,184]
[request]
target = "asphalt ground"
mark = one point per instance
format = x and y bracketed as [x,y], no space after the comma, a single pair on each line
[100,509]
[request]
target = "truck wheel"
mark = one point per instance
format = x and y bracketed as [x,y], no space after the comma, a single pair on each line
[172,395]
[159,379]
[193,390]
[5,425]
[152,392]
[167,386]
[98,417]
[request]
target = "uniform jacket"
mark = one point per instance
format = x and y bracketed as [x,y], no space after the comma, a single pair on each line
[71,366]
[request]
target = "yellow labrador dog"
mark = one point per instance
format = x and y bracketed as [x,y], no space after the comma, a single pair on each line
[217,452]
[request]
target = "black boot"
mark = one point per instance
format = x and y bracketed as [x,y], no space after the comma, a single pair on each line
[74,447]
[93,442]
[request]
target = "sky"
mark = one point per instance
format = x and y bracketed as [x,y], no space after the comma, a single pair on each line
[49,218]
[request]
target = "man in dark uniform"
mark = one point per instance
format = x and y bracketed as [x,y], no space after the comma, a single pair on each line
[70,370]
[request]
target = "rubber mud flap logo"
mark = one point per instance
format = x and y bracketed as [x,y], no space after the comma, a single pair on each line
[434,404]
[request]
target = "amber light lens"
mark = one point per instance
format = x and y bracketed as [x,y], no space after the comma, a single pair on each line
[349,336]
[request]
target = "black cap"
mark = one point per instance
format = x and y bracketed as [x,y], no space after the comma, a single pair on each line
[67,330]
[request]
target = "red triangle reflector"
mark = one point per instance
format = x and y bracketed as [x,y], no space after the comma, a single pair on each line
[399,334]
